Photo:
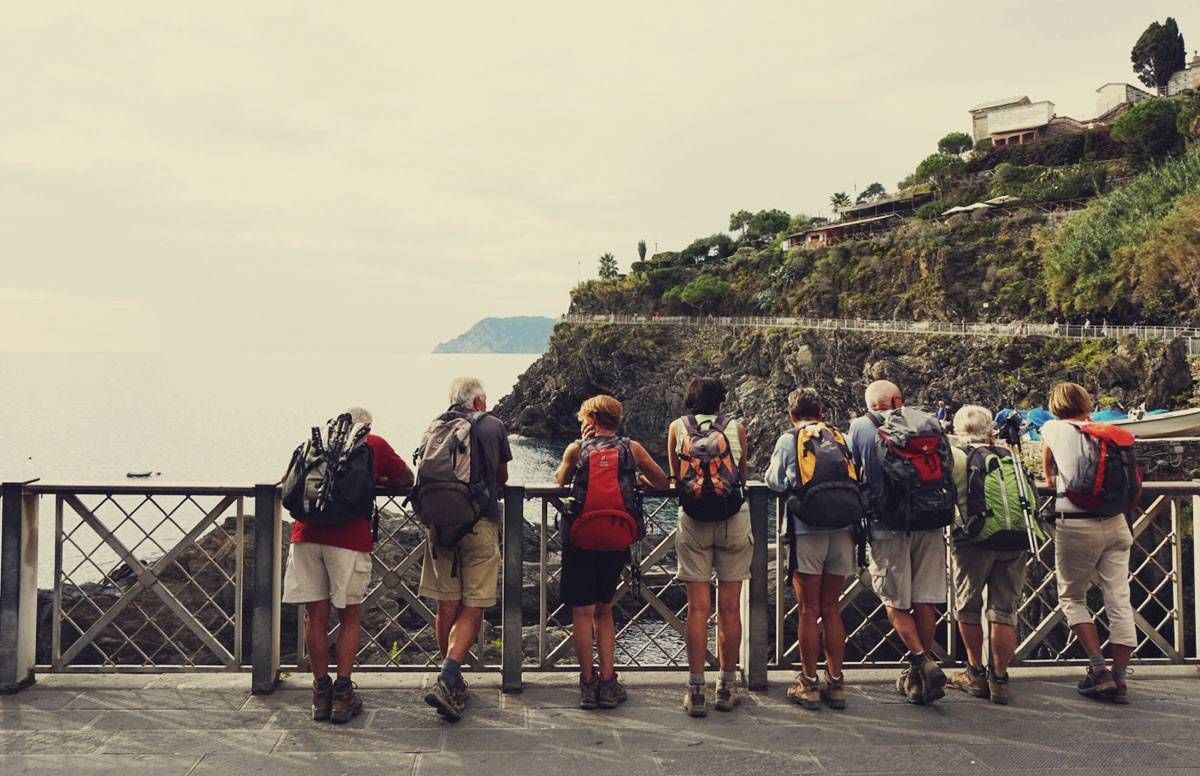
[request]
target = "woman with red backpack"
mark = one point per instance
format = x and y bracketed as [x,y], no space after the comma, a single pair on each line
[1094,474]
[604,519]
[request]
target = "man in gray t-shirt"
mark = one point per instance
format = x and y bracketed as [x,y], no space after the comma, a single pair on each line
[463,580]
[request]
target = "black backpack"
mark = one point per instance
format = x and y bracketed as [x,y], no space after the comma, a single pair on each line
[450,493]
[829,494]
[918,471]
[331,478]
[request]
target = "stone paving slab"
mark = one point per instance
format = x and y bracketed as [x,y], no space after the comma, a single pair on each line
[208,724]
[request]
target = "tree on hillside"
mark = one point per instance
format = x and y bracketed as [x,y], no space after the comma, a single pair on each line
[1158,54]
[765,224]
[739,221]
[704,293]
[608,266]
[940,170]
[955,143]
[641,250]
[870,193]
[713,248]
[839,200]
[1149,130]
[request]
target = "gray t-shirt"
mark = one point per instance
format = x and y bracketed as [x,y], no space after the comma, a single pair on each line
[493,443]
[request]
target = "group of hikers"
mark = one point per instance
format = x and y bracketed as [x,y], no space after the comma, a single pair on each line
[886,493]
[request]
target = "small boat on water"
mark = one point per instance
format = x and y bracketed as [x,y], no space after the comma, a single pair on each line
[1157,425]
[142,475]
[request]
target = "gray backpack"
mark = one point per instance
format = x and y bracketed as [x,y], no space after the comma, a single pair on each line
[450,492]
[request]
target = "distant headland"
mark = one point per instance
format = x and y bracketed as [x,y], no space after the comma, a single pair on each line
[517,334]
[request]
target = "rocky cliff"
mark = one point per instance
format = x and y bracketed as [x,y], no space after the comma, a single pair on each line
[647,368]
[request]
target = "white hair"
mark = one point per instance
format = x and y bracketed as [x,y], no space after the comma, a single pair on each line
[879,395]
[973,423]
[464,391]
[359,415]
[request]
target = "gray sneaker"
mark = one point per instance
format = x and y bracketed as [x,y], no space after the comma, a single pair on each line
[611,693]
[728,696]
[589,693]
[448,701]
[694,702]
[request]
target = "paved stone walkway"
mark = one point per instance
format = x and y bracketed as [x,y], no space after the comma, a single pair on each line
[209,724]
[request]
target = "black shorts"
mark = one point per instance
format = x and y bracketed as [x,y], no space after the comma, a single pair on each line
[591,576]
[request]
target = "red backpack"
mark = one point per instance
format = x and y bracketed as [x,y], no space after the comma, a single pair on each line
[1109,481]
[606,504]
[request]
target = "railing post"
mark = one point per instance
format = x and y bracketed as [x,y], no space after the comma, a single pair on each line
[756,664]
[512,638]
[1196,571]
[268,556]
[18,587]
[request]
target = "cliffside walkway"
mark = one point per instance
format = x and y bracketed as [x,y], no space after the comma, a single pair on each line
[196,725]
[963,329]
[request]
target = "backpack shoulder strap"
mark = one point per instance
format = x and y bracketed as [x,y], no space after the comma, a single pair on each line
[876,418]
[719,423]
[690,425]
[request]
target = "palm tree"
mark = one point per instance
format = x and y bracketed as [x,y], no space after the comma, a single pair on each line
[839,200]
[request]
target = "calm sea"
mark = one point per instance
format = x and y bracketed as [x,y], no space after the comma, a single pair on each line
[227,419]
[216,419]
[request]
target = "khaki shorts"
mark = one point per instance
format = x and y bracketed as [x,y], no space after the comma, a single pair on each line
[1001,572]
[909,568]
[478,557]
[825,552]
[726,547]
[319,572]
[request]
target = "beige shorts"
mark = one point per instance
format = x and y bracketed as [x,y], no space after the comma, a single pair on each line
[909,568]
[474,581]
[726,547]
[825,552]
[319,572]
[1001,572]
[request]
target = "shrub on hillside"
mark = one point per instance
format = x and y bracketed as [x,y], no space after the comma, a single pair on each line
[713,248]
[1054,151]
[1167,265]
[1149,131]
[1083,270]
[1036,183]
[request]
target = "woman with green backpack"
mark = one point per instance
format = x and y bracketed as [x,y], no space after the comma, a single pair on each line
[993,534]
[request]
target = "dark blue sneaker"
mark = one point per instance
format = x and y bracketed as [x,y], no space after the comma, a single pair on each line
[1097,685]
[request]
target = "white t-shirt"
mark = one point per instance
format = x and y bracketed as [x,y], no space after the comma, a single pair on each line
[1068,446]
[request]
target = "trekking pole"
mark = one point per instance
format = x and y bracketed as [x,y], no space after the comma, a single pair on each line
[1024,496]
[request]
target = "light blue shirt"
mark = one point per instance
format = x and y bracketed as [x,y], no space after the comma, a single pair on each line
[781,477]
[861,439]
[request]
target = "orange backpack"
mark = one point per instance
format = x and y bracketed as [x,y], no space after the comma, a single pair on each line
[708,481]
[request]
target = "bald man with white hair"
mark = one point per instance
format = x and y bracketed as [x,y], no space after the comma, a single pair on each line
[908,568]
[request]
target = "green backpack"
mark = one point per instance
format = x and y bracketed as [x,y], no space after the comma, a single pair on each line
[1001,502]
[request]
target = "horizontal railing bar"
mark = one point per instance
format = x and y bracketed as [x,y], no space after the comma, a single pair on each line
[125,488]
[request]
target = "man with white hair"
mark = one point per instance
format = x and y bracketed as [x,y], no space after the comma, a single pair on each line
[329,566]
[985,558]
[463,580]
[908,568]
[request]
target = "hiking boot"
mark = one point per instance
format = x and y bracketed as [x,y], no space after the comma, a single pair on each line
[932,679]
[322,698]
[972,682]
[1121,694]
[728,695]
[997,688]
[346,703]
[833,692]
[1097,685]
[910,685]
[448,701]
[694,702]
[589,693]
[611,693]
[805,692]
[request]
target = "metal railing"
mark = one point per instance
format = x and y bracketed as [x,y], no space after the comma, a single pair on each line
[961,329]
[160,577]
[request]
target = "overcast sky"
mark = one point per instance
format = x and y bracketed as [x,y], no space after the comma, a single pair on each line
[308,177]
